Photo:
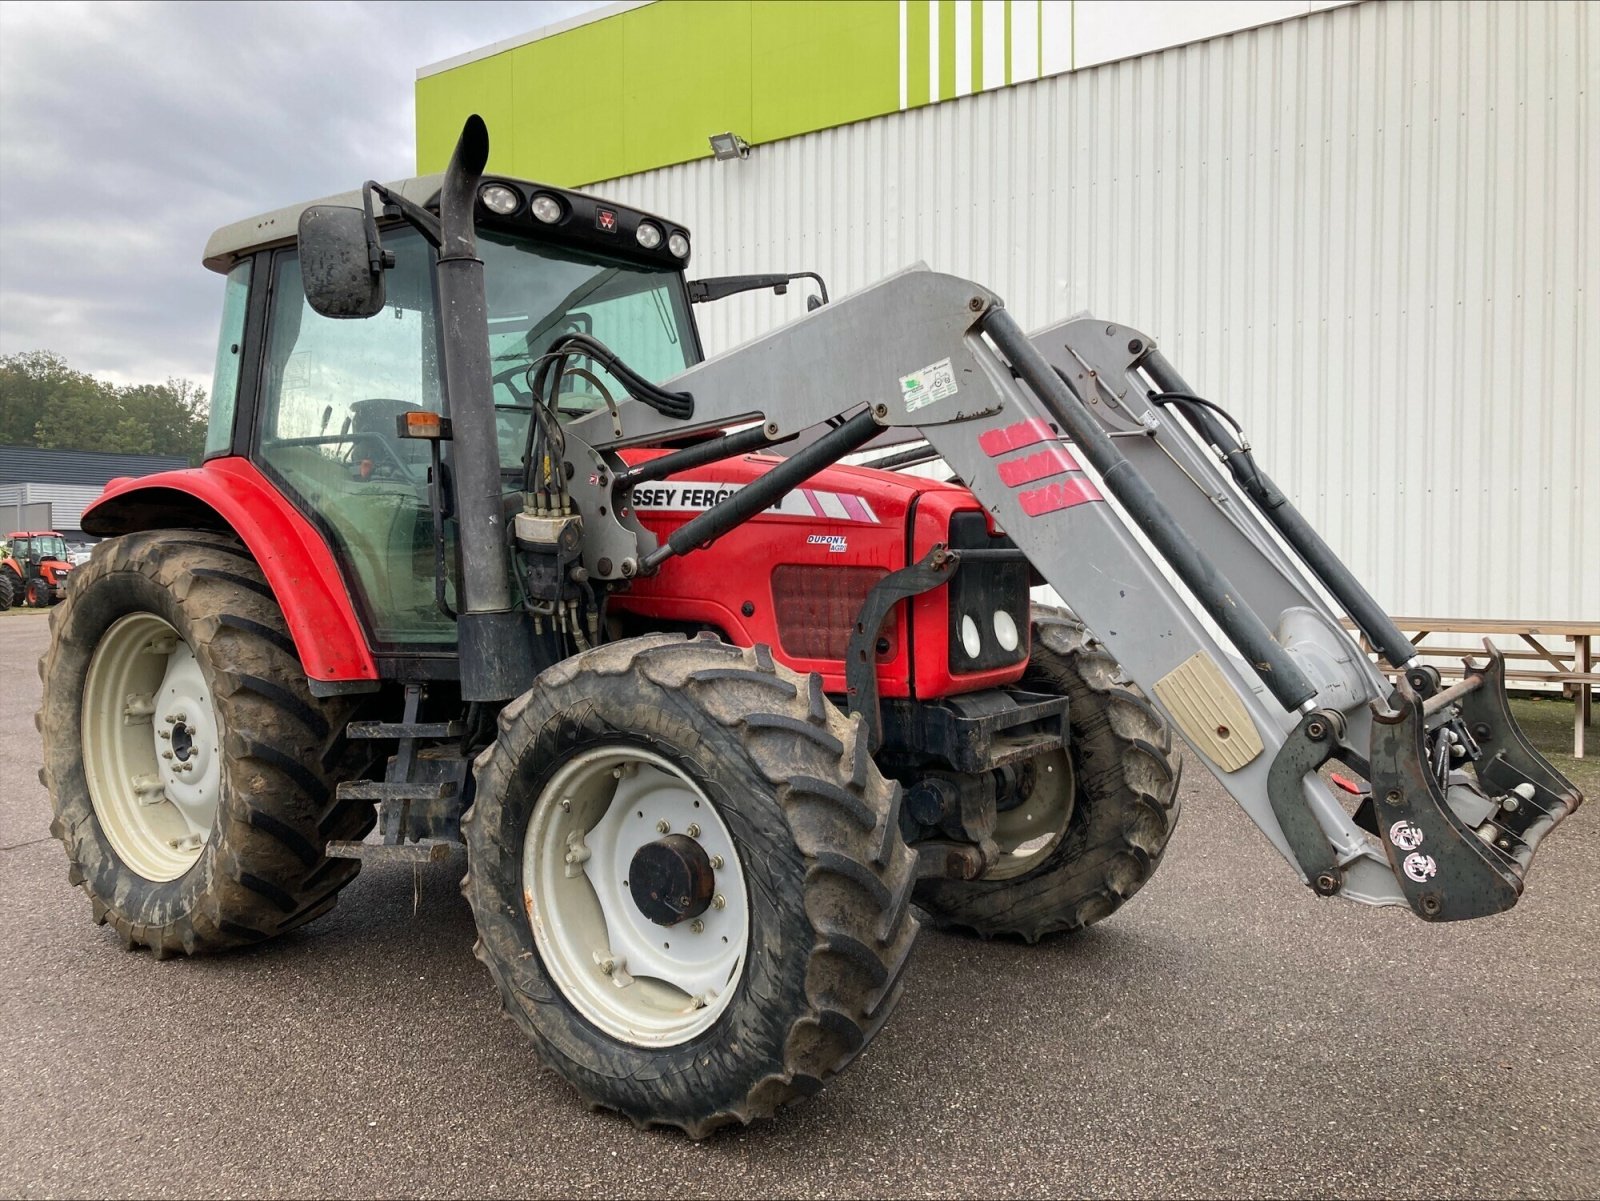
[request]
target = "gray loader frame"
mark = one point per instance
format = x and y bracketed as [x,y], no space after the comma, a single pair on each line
[1208,588]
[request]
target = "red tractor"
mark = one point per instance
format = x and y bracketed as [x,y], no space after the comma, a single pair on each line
[34,572]
[484,551]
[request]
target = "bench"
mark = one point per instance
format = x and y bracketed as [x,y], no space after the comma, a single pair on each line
[1548,663]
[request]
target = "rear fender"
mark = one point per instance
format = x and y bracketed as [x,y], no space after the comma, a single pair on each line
[231,494]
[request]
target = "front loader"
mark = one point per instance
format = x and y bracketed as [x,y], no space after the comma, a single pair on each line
[485,552]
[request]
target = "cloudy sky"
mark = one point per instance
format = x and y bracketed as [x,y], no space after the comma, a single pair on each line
[129,131]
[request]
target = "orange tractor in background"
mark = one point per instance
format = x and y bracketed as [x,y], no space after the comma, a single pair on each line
[35,569]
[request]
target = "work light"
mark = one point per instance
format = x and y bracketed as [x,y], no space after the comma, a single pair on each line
[499,199]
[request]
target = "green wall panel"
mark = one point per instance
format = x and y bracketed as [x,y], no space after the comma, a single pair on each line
[820,64]
[648,87]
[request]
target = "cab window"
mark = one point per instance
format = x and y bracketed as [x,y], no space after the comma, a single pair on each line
[332,392]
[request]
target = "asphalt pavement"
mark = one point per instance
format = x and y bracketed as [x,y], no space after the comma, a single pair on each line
[1227,1033]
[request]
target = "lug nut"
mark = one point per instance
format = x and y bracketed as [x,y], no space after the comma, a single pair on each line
[697,926]
[719,902]
[716,862]
[164,733]
[693,831]
[663,827]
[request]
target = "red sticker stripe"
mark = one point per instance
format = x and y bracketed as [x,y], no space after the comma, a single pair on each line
[1041,465]
[1014,437]
[1064,495]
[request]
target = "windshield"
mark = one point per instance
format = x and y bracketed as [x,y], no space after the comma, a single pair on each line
[52,547]
[539,292]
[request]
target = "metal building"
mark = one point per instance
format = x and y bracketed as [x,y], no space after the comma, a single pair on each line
[67,481]
[1367,229]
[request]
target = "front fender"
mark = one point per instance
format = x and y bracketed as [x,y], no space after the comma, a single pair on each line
[230,493]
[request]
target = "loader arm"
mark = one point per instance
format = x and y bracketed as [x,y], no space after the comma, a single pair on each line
[1213,595]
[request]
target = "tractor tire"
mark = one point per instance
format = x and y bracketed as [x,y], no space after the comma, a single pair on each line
[1125,809]
[174,637]
[817,865]
[37,594]
[8,591]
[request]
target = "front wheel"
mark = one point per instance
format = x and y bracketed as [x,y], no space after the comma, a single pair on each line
[688,880]
[1116,793]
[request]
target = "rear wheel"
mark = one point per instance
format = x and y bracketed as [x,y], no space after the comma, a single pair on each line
[1118,788]
[688,879]
[8,591]
[189,767]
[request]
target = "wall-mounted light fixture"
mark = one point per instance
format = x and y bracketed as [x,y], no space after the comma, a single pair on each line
[729,145]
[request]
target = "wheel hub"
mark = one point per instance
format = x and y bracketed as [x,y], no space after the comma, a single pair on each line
[152,742]
[671,880]
[636,895]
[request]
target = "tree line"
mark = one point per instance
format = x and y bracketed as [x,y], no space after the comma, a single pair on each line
[45,403]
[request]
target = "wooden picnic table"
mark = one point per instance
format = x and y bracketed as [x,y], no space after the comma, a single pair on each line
[1573,668]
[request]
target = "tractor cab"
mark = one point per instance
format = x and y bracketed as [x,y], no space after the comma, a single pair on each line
[35,569]
[315,402]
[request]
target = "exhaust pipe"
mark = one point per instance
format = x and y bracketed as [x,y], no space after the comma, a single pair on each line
[494,635]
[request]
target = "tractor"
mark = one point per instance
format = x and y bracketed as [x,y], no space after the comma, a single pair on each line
[34,572]
[724,671]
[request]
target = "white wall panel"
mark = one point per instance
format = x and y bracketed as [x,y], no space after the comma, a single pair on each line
[1370,232]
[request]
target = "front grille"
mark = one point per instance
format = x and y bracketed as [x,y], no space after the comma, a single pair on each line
[816,607]
[993,597]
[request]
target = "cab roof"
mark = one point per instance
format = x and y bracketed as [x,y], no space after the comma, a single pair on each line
[233,242]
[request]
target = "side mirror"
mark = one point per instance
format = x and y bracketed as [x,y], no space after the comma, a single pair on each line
[341,274]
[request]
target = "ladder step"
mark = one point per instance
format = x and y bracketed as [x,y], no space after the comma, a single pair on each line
[430,850]
[406,729]
[383,790]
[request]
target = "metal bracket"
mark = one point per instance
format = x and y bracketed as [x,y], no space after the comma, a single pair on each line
[1312,743]
[861,660]
[421,795]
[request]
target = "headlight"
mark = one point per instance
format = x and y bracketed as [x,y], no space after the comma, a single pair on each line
[499,199]
[1005,630]
[679,245]
[546,208]
[648,234]
[971,641]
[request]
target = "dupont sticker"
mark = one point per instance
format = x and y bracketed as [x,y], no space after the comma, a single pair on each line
[1405,835]
[933,382]
[693,496]
[1420,867]
[837,544]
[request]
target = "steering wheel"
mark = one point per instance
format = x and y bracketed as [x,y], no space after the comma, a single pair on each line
[366,442]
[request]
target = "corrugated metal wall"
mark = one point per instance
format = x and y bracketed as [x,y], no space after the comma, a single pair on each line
[67,503]
[1370,232]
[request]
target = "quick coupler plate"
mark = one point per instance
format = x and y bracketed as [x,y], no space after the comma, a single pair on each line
[1461,848]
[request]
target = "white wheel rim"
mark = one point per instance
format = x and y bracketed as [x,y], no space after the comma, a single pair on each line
[1027,832]
[152,747]
[641,983]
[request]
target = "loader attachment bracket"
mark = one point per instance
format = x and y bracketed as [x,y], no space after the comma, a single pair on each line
[1313,742]
[1447,869]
